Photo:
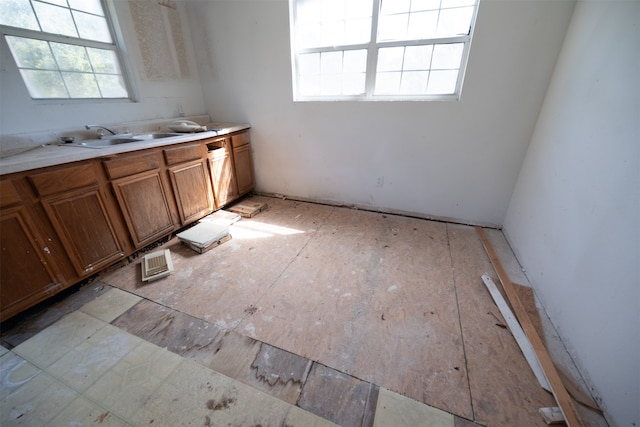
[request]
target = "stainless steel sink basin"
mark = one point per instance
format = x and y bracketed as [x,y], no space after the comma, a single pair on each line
[115,140]
[101,143]
[156,135]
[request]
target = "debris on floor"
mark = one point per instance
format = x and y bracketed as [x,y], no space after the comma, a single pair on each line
[222,217]
[248,209]
[205,236]
[156,265]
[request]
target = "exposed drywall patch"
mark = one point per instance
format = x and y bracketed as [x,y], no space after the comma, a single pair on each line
[161,40]
[175,29]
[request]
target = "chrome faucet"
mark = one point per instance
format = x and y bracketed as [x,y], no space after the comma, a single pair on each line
[100,127]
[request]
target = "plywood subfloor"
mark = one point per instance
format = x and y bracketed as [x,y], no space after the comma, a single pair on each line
[394,301]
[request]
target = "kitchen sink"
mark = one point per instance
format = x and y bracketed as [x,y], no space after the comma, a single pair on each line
[155,135]
[115,140]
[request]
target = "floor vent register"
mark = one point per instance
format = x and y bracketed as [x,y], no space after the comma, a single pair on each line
[156,265]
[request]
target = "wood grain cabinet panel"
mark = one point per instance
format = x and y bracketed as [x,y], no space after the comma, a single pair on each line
[225,188]
[244,168]
[85,229]
[192,190]
[25,275]
[145,207]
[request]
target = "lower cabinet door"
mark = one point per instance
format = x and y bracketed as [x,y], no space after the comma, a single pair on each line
[192,189]
[26,276]
[145,207]
[83,225]
[225,188]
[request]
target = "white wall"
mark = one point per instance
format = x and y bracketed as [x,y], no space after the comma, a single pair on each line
[457,160]
[159,97]
[574,218]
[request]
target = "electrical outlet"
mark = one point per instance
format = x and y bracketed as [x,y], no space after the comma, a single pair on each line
[380,181]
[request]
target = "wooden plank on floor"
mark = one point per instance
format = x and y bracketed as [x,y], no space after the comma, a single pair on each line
[518,333]
[571,415]
[552,415]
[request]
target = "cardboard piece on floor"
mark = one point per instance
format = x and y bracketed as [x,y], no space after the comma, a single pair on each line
[248,209]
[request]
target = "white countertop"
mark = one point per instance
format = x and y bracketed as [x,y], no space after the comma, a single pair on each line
[50,155]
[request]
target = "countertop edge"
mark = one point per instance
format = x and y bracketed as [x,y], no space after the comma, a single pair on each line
[52,155]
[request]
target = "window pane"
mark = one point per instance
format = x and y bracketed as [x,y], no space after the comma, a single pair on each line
[58,2]
[393,27]
[455,21]
[30,53]
[90,6]
[309,35]
[414,82]
[357,31]
[92,27]
[309,64]
[417,5]
[112,86]
[422,25]
[310,84]
[331,62]
[358,9]
[457,3]
[103,61]
[353,83]
[417,57]
[447,56]
[18,13]
[81,85]
[442,82]
[390,58]
[44,84]
[390,7]
[70,57]
[330,84]
[355,61]
[332,10]
[388,83]
[54,19]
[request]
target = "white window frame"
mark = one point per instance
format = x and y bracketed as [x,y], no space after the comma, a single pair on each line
[372,48]
[118,47]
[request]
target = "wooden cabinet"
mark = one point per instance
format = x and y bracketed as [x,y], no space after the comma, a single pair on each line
[225,188]
[242,162]
[76,207]
[139,188]
[190,181]
[231,167]
[25,273]
[63,223]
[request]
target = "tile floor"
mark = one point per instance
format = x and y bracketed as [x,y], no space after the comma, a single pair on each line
[82,370]
[310,315]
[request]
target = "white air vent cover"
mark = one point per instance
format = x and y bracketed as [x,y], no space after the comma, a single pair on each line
[156,265]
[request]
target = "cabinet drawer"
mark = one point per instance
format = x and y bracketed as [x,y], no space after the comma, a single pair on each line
[183,153]
[58,181]
[130,165]
[240,140]
[8,194]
